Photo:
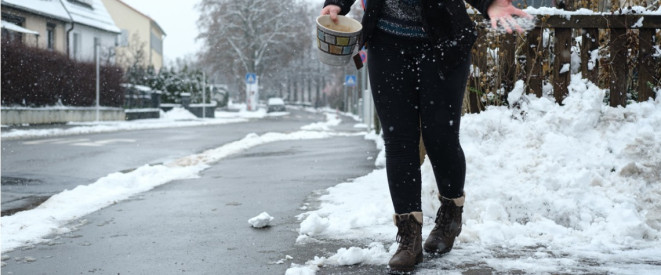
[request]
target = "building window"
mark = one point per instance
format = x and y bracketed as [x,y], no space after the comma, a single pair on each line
[123,38]
[50,36]
[156,44]
[84,3]
[76,45]
[12,36]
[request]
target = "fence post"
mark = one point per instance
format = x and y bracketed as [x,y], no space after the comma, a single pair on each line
[562,60]
[618,67]
[590,43]
[645,64]
[479,60]
[508,63]
[534,62]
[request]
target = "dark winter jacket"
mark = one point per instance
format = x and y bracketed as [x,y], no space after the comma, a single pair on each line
[446,23]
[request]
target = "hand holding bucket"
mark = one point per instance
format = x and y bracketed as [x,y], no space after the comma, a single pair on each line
[337,39]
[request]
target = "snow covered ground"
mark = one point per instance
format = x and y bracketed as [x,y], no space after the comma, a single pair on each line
[549,189]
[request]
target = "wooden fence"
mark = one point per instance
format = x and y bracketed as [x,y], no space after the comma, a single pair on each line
[627,63]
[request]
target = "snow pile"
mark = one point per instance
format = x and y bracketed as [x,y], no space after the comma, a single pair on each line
[553,188]
[177,113]
[261,220]
[174,118]
[331,120]
[374,254]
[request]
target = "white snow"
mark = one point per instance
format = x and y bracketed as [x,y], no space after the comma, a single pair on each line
[97,16]
[261,220]
[52,8]
[550,189]
[177,117]
[331,120]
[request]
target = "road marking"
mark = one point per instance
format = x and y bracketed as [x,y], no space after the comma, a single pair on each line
[35,142]
[79,141]
[99,143]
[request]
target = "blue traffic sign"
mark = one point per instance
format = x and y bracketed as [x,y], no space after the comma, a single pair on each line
[350,80]
[251,78]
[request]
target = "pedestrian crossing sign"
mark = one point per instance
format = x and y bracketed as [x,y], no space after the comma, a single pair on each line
[350,80]
[251,78]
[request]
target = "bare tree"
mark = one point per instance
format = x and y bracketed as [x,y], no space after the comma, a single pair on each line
[259,36]
[133,59]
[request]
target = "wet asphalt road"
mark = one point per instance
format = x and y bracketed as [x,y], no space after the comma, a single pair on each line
[199,226]
[34,169]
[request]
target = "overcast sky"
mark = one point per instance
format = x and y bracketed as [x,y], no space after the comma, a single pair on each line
[178,19]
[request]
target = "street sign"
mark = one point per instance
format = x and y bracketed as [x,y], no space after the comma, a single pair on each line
[251,78]
[350,80]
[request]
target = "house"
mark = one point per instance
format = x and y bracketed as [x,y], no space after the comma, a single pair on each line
[35,23]
[139,33]
[73,27]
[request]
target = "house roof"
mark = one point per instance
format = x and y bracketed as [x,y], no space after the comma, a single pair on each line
[141,13]
[96,17]
[48,8]
[16,28]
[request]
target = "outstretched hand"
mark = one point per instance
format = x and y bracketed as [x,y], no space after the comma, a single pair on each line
[501,11]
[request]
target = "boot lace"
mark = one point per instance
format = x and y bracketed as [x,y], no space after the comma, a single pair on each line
[444,219]
[405,233]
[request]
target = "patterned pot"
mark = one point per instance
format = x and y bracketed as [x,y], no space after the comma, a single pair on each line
[337,42]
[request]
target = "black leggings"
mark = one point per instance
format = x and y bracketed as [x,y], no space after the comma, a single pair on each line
[410,93]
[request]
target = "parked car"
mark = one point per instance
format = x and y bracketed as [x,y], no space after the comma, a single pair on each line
[275,104]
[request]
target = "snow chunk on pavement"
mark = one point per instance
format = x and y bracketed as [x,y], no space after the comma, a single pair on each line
[261,220]
[296,269]
[375,254]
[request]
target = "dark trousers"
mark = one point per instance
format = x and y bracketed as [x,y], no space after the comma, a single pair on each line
[412,96]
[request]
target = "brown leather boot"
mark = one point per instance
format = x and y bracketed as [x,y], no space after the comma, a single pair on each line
[409,237]
[448,226]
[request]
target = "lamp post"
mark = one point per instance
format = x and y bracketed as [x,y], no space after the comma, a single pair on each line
[98,78]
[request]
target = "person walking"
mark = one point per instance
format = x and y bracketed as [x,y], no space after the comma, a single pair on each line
[418,61]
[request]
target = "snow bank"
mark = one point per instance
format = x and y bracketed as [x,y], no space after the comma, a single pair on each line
[177,117]
[332,119]
[553,188]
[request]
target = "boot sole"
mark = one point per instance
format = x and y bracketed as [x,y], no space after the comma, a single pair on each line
[437,253]
[405,270]
[401,271]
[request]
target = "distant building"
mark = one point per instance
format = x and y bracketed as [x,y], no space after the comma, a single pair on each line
[73,27]
[40,24]
[138,31]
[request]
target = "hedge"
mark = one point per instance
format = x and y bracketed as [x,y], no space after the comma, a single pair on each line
[33,77]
